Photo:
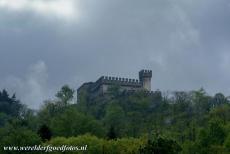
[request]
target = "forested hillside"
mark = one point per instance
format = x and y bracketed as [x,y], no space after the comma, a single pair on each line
[161,123]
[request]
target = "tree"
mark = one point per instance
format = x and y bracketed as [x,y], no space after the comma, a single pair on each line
[218,100]
[100,146]
[13,134]
[45,133]
[212,136]
[111,134]
[201,102]
[227,143]
[48,111]
[72,123]
[216,132]
[9,105]
[3,119]
[65,95]
[221,112]
[114,119]
[160,145]
[114,91]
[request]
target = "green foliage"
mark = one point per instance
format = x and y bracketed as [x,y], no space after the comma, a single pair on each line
[71,122]
[96,145]
[213,135]
[221,112]
[9,105]
[49,110]
[191,122]
[3,119]
[112,133]
[227,143]
[114,119]
[189,147]
[65,95]
[201,101]
[211,138]
[15,135]
[218,100]
[114,91]
[160,145]
[29,119]
[20,137]
[123,146]
[45,133]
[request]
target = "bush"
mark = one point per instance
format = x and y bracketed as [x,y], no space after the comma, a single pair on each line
[96,145]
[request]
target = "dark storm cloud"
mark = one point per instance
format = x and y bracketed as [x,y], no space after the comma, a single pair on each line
[185,43]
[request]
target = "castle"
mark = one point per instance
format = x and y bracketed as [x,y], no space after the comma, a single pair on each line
[102,85]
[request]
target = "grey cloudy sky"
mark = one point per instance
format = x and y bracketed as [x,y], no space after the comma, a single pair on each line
[47,43]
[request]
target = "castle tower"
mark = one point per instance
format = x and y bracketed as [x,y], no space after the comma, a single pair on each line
[145,79]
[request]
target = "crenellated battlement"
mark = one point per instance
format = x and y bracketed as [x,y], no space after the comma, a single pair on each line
[103,84]
[117,80]
[145,92]
[145,73]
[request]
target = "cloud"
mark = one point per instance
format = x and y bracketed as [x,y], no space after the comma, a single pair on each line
[32,89]
[185,43]
[65,9]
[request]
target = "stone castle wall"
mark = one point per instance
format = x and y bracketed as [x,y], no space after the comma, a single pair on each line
[102,85]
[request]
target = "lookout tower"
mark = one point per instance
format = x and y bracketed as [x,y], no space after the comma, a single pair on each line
[145,79]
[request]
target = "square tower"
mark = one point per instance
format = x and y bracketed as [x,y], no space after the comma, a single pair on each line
[145,79]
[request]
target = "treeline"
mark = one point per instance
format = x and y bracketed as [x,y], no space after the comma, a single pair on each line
[165,123]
